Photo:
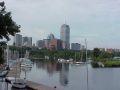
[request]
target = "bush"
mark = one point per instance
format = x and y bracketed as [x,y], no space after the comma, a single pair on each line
[112,63]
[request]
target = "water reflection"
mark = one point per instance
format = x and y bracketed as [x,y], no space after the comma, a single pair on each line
[64,73]
[74,77]
[51,68]
[3,86]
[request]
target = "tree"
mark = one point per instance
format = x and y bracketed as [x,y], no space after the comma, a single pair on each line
[96,53]
[7,27]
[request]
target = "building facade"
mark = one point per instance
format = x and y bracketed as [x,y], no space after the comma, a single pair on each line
[65,36]
[75,46]
[27,41]
[51,37]
[46,43]
[18,40]
[55,44]
[40,44]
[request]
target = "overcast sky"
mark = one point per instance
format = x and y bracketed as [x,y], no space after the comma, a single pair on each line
[96,20]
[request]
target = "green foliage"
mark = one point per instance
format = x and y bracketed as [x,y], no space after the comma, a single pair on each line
[55,54]
[7,27]
[22,50]
[112,63]
[96,52]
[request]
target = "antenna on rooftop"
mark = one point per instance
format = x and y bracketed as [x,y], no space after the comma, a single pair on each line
[65,20]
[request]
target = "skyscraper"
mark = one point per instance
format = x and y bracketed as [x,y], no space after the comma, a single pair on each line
[27,41]
[18,40]
[65,36]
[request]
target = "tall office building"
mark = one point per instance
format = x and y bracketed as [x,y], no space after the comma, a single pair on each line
[18,40]
[27,41]
[65,36]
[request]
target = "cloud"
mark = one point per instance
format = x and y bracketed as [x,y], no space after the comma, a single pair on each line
[97,20]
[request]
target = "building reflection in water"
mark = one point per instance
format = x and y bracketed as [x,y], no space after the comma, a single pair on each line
[51,68]
[64,74]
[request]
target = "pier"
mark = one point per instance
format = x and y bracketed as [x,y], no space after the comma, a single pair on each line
[30,84]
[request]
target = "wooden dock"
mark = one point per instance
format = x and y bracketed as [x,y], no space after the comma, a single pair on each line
[14,70]
[36,86]
[30,84]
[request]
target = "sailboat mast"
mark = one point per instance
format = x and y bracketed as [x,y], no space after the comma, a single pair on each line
[86,48]
[7,55]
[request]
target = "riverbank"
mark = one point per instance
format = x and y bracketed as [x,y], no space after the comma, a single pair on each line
[106,63]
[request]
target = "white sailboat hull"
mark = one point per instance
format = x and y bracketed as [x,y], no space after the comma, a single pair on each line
[19,83]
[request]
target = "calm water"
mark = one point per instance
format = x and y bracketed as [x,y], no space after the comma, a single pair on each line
[73,77]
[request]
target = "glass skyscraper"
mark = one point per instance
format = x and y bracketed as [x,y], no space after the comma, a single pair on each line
[65,36]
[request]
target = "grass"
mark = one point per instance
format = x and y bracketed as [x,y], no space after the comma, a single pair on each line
[107,63]
[112,63]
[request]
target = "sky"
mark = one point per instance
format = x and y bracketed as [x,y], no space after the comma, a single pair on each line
[96,20]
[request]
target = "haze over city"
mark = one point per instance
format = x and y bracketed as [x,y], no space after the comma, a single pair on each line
[96,20]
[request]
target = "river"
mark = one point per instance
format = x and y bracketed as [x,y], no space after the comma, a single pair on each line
[73,77]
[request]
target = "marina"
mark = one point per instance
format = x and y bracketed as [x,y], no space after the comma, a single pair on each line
[65,76]
[12,76]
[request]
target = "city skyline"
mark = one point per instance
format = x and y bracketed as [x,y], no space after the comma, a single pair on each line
[98,21]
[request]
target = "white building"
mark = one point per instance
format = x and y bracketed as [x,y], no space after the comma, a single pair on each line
[18,40]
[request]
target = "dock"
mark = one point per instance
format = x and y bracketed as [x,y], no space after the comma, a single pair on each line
[30,84]
[36,86]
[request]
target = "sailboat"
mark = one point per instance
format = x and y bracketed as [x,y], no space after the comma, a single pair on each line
[81,62]
[4,71]
[18,82]
[25,62]
[77,62]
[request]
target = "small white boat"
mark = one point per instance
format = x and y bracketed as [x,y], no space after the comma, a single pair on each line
[19,83]
[3,73]
[79,63]
[26,63]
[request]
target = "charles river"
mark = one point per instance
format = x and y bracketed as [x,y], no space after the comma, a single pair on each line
[71,76]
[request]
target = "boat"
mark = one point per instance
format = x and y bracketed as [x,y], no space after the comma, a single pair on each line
[3,73]
[79,62]
[19,83]
[26,63]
